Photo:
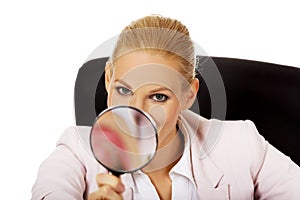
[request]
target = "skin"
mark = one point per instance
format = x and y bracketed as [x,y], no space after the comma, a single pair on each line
[155,85]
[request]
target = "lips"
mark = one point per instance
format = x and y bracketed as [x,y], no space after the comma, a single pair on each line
[111,136]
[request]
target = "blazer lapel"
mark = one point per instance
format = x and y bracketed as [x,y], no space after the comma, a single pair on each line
[204,134]
[207,175]
[208,179]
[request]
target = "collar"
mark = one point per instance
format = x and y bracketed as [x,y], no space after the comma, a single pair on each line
[184,167]
[204,135]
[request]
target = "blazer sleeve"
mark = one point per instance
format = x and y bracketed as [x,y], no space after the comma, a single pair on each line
[62,174]
[276,176]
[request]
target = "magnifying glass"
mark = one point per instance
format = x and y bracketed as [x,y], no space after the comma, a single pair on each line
[123,139]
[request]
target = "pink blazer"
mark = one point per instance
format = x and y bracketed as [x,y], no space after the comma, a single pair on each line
[230,161]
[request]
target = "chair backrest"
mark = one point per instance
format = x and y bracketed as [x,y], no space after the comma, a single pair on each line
[266,93]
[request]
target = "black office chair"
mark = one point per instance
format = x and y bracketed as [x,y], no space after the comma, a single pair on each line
[268,94]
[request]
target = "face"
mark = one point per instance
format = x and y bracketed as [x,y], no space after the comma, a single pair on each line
[153,84]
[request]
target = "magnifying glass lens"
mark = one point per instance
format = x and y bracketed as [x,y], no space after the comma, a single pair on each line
[123,139]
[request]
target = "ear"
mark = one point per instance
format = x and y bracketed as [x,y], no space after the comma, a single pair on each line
[191,94]
[108,75]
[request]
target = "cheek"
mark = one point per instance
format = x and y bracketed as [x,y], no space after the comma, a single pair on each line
[158,113]
[165,116]
[109,97]
[172,116]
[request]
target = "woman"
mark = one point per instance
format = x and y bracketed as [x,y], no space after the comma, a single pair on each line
[152,68]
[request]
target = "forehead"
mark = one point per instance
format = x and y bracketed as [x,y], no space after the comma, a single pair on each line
[140,68]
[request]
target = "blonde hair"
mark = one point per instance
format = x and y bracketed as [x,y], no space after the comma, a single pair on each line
[159,36]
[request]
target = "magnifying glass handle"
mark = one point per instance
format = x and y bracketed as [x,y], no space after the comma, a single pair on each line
[117,174]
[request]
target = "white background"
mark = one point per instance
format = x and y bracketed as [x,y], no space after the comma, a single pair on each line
[43,44]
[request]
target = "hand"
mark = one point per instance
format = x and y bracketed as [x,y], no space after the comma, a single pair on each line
[110,187]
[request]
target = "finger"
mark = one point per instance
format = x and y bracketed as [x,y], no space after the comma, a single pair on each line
[105,192]
[110,180]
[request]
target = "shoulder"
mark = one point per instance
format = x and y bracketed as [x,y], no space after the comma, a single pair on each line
[76,140]
[236,142]
[245,158]
[235,130]
[70,169]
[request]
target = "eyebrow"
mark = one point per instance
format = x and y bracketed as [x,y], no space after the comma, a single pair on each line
[123,83]
[160,89]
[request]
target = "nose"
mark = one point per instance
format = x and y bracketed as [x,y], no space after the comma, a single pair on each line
[138,102]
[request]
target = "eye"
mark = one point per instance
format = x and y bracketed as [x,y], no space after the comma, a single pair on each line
[123,91]
[159,97]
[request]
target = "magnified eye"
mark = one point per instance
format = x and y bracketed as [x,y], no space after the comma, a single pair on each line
[123,91]
[159,97]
